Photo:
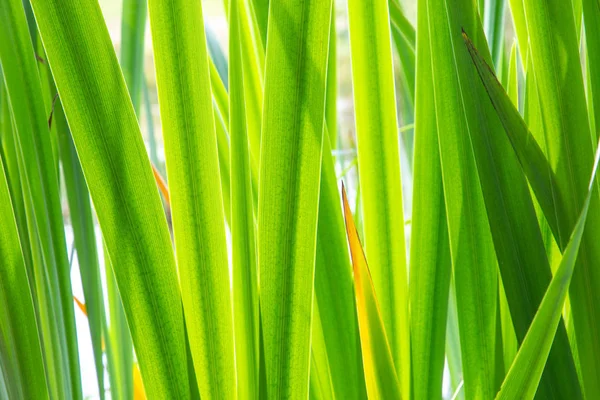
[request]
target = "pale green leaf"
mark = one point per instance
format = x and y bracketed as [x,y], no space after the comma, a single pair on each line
[290,169]
[379,170]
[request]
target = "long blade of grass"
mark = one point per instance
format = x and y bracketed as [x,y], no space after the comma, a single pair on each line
[119,348]
[224,164]
[39,173]
[217,58]
[18,327]
[379,168]
[493,24]
[133,29]
[517,237]
[253,57]
[334,293]
[321,385]
[380,373]
[512,87]
[400,22]
[453,352]
[82,221]
[533,161]
[182,72]
[518,16]
[118,174]
[471,245]
[556,64]
[244,266]
[532,115]
[9,156]
[509,338]
[524,375]
[332,83]
[404,37]
[429,247]
[591,15]
[261,14]
[152,149]
[219,84]
[290,170]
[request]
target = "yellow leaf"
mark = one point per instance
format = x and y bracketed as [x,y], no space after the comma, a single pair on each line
[138,386]
[380,373]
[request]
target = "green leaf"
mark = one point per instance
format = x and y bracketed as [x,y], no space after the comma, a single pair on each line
[471,247]
[119,350]
[518,17]
[399,21]
[558,73]
[493,24]
[334,292]
[217,58]
[20,352]
[261,14]
[380,374]
[517,237]
[429,247]
[332,83]
[509,338]
[119,177]
[404,37]
[513,77]
[321,386]
[244,265]
[379,170]
[82,221]
[152,150]
[453,350]
[182,72]
[525,373]
[44,214]
[133,29]
[533,161]
[290,169]
[11,168]
[591,16]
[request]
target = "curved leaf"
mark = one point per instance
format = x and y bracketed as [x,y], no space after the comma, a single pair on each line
[525,373]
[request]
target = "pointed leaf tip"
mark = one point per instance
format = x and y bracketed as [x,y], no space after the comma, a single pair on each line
[380,371]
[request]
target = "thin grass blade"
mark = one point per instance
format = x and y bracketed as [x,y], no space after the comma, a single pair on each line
[471,247]
[380,373]
[290,170]
[554,41]
[39,172]
[133,29]
[119,177]
[334,292]
[524,375]
[182,72]
[430,260]
[244,265]
[21,353]
[379,169]
[517,237]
